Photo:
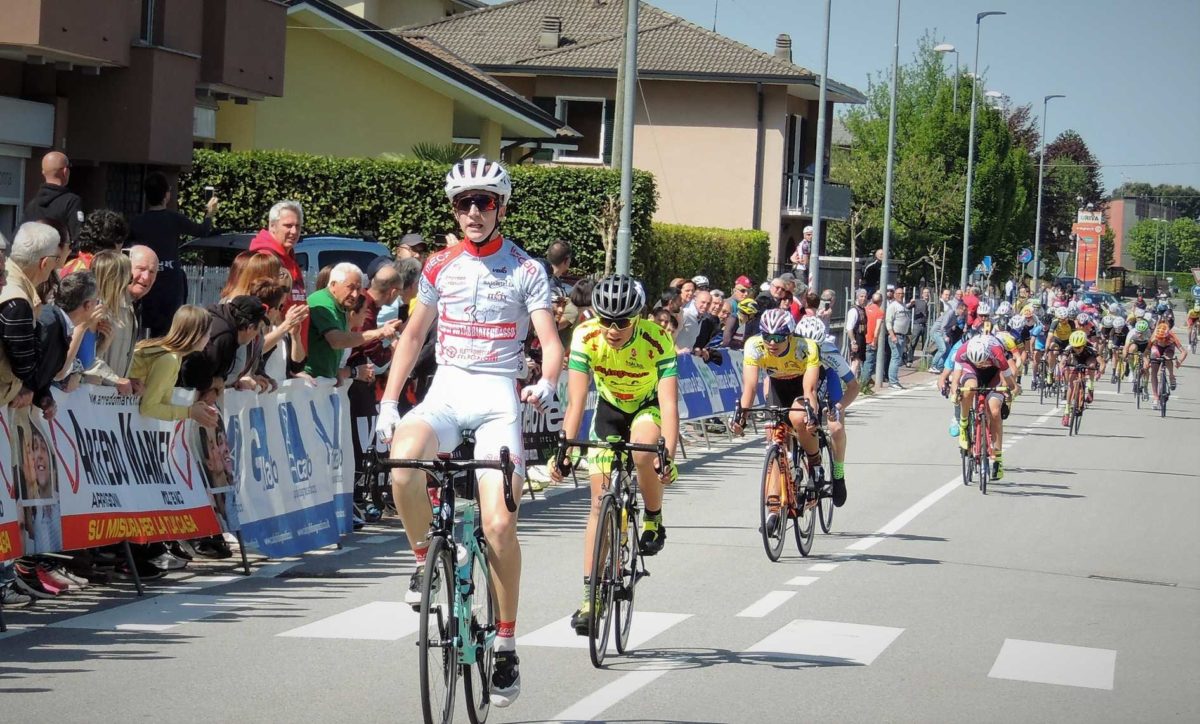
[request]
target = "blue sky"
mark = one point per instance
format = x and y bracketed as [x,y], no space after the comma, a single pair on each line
[1130,70]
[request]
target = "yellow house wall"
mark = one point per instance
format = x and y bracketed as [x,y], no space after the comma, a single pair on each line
[338,102]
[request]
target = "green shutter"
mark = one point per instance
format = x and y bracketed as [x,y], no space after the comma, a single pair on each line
[610,110]
[548,104]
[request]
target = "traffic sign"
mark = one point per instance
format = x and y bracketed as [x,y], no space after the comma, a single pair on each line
[1196,291]
[1025,256]
[987,264]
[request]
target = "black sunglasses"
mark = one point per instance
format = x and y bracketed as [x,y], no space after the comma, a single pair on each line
[775,338]
[483,202]
[616,323]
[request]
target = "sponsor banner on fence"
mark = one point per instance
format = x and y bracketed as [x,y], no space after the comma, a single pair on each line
[289,451]
[113,475]
[706,389]
[11,545]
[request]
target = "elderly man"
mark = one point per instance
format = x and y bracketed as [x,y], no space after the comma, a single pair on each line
[898,322]
[284,222]
[53,200]
[328,329]
[31,261]
[123,326]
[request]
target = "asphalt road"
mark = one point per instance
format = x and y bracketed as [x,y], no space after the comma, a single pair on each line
[1071,592]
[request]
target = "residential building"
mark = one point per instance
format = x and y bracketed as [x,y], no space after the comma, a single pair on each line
[728,131]
[1122,213]
[352,89]
[124,87]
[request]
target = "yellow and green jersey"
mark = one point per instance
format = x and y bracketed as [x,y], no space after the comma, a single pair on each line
[627,376]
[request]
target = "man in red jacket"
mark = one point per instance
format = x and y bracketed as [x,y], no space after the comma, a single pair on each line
[279,238]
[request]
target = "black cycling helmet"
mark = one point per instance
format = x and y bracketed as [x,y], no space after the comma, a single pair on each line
[618,296]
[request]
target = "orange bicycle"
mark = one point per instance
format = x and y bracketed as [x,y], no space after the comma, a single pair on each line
[788,495]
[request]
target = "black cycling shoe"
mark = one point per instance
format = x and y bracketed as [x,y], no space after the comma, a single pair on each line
[506,678]
[653,540]
[839,492]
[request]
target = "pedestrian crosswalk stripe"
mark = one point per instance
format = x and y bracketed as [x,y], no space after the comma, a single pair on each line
[802,581]
[160,613]
[767,604]
[375,621]
[559,634]
[1045,663]
[827,642]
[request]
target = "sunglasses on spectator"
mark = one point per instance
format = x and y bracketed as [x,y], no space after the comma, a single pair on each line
[775,338]
[483,202]
[622,323]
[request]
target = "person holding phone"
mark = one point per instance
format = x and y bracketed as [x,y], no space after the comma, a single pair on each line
[161,229]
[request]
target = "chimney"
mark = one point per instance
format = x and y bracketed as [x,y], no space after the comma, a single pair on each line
[783,47]
[550,34]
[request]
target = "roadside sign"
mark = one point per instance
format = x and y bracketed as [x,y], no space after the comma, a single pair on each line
[1196,291]
[1025,256]
[1099,228]
[1062,259]
[987,264]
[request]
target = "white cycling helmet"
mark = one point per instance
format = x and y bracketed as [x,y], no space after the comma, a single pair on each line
[983,310]
[1016,323]
[1083,318]
[811,328]
[1060,312]
[478,174]
[1004,310]
[700,280]
[1118,323]
[776,321]
[1107,322]
[979,349]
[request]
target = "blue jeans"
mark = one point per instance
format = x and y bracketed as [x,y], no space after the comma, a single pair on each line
[868,368]
[940,341]
[897,347]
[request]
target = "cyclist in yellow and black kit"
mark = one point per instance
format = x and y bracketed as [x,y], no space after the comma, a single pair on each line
[633,363]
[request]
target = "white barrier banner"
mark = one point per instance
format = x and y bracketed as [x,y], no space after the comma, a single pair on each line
[11,545]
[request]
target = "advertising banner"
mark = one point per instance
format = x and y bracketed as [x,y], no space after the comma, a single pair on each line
[112,475]
[11,545]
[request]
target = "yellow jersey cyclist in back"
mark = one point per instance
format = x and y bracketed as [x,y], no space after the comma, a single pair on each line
[633,363]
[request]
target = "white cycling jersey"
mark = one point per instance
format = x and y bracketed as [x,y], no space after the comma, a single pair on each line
[484,299]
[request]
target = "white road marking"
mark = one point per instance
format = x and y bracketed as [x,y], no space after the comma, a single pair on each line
[160,613]
[592,706]
[375,621]
[822,567]
[1045,663]
[906,517]
[331,551]
[802,581]
[828,642]
[559,634]
[375,539]
[767,604]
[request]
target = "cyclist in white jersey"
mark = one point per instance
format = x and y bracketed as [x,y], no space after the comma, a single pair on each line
[485,293]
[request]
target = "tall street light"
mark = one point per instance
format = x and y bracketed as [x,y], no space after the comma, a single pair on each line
[948,48]
[1037,229]
[819,170]
[882,339]
[966,249]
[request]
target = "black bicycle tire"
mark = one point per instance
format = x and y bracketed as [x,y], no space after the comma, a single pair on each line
[1164,387]
[438,555]
[982,463]
[1137,388]
[825,503]
[774,548]
[624,607]
[806,519]
[600,586]
[967,461]
[483,591]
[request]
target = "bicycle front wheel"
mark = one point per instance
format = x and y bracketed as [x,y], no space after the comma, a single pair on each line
[982,464]
[1164,388]
[806,516]
[437,633]
[605,576]
[825,503]
[1137,388]
[477,677]
[772,512]
[624,596]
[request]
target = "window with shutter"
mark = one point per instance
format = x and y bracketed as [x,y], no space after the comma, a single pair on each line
[592,118]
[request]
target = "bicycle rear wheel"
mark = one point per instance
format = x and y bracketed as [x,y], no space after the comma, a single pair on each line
[605,575]
[624,595]
[477,677]
[437,632]
[982,465]
[968,464]
[1137,387]
[772,534]
[1164,388]
[825,503]
[806,518]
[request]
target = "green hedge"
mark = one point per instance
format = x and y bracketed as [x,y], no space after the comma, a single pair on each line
[386,199]
[722,255]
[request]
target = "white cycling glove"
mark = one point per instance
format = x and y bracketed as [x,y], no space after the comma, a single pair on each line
[540,394]
[385,424]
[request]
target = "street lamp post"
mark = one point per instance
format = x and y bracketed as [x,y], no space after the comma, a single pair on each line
[882,339]
[966,250]
[819,170]
[1037,228]
[948,48]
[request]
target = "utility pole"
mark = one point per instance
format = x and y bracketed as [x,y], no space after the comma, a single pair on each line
[1037,228]
[966,246]
[881,338]
[627,89]
[814,254]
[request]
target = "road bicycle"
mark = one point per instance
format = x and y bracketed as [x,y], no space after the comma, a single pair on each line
[1192,335]
[1159,367]
[617,561]
[821,474]
[1120,369]
[976,459]
[788,494]
[1141,389]
[458,610]
[1076,397]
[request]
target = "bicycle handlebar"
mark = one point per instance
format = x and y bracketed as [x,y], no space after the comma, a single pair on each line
[659,449]
[443,465]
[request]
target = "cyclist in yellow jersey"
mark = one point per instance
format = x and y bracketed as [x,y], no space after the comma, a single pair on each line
[793,365]
[633,363]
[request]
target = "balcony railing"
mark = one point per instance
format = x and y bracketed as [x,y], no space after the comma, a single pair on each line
[798,198]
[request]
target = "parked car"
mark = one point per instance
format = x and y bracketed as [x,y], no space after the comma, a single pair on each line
[313,252]
[1100,300]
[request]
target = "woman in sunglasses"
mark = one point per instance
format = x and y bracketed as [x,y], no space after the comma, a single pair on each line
[633,363]
[484,292]
[793,365]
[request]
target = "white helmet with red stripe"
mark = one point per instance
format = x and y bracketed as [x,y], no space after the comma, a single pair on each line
[478,174]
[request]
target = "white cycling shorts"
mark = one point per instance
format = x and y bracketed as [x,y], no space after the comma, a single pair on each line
[459,400]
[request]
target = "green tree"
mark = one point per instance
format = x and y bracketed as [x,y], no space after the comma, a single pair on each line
[1184,199]
[1179,240]
[1072,180]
